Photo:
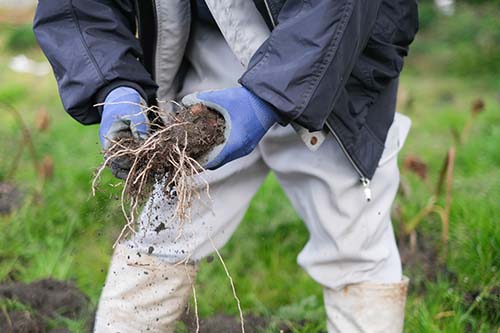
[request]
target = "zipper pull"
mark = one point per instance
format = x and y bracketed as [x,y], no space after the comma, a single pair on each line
[366,189]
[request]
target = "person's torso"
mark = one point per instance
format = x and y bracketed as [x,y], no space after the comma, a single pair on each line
[165,41]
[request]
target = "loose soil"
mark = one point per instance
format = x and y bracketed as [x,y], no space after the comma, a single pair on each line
[226,324]
[50,299]
[421,257]
[10,198]
[203,127]
[46,298]
[223,323]
[21,322]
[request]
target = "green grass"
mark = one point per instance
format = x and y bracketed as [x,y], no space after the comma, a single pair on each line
[67,234]
[20,38]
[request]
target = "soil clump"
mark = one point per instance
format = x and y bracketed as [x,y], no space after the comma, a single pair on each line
[168,160]
[191,133]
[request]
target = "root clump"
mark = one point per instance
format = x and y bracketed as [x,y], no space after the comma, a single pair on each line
[169,158]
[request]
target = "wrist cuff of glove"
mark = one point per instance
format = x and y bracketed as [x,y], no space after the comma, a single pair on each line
[280,119]
[101,94]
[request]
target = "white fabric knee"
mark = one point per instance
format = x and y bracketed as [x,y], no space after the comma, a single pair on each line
[142,294]
[351,240]
[213,219]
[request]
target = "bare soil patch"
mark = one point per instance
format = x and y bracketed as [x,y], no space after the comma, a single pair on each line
[222,323]
[10,197]
[421,255]
[46,298]
[21,322]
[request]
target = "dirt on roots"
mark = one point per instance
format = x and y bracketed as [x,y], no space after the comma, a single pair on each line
[168,160]
[189,135]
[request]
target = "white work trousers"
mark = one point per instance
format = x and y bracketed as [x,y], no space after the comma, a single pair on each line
[351,239]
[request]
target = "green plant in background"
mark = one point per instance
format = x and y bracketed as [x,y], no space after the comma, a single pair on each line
[465,44]
[427,15]
[20,38]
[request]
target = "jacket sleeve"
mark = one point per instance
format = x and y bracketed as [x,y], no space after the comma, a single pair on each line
[304,65]
[92,48]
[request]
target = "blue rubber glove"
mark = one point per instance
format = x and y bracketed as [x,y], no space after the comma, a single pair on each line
[247,118]
[122,116]
[121,113]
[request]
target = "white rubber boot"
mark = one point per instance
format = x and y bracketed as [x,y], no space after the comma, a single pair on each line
[367,307]
[142,294]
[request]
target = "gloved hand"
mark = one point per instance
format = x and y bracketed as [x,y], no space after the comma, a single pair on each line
[122,116]
[247,118]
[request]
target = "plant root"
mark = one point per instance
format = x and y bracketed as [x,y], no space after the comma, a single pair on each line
[168,158]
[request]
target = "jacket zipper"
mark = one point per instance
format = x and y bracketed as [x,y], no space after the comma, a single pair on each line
[155,40]
[270,14]
[145,34]
[364,180]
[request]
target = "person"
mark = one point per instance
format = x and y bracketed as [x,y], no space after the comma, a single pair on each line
[308,89]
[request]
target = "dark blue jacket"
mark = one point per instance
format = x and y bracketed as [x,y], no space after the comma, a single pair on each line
[332,63]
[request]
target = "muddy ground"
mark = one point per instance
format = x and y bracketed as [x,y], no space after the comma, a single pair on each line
[226,324]
[41,301]
[420,256]
[48,299]
[10,197]
[223,323]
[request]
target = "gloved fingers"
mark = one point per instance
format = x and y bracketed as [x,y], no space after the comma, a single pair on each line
[190,100]
[120,173]
[199,96]
[109,134]
[139,130]
[229,152]
[123,128]
[121,162]
[214,164]
[135,122]
[196,98]
[120,166]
